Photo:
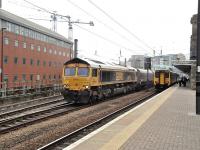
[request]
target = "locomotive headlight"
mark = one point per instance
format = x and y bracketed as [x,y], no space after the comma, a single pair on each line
[66,85]
[86,86]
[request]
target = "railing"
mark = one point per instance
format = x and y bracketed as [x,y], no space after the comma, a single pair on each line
[184,62]
[23,88]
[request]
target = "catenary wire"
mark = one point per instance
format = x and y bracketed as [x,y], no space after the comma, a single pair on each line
[119,24]
[107,26]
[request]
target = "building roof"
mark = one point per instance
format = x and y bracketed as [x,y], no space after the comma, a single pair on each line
[5,15]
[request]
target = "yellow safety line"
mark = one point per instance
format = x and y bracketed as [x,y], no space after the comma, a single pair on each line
[118,140]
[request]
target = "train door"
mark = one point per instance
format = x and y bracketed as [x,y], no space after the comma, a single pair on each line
[162,78]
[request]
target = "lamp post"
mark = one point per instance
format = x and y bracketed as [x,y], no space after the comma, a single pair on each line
[2,43]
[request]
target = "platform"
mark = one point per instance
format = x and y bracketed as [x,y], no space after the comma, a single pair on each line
[165,122]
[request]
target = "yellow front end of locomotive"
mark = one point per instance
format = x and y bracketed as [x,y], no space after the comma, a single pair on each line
[76,77]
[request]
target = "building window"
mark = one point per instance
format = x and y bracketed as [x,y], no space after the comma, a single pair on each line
[45,49]
[15,78]
[44,63]
[59,76]
[63,53]
[16,43]
[6,41]
[49,77]
[16,29]
[50,64]
[5,78]
[44,77]
[23,77]
[31,77]
[8,26]
[15,60]
[37,77]
[38,62]
[50,51]
[31,62]
[32,47]
[55,64]
[12,27]
[24,45]
[5,59]
[21,30]
[54,76]
[25,31]
[24,61]
[55,52]
[38,48]
[60,53]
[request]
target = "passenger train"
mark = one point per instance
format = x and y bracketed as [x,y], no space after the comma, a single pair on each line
[164,78]
[87,80]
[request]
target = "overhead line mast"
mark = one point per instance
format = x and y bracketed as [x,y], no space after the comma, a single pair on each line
[54,16]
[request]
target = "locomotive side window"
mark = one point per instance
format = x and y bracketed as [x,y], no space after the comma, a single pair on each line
[94,72]
[70,71]
[108,76]
[83,72]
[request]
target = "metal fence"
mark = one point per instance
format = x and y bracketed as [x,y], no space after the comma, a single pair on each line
[24,88]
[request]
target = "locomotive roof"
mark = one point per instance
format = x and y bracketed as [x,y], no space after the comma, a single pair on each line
[99,63]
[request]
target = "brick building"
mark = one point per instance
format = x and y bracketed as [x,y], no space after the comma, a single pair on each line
[30,51]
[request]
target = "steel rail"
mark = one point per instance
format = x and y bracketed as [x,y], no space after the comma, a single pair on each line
[15,123]
[65,139]
[2,108]
[3,115]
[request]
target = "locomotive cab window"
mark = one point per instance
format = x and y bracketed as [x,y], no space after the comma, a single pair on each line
[83,72]
[94,72]
[70,71]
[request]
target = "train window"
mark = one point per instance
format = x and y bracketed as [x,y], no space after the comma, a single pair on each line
[108,76]
[94,72]
[83,71]
[166,74]
[69,71]
[157,74]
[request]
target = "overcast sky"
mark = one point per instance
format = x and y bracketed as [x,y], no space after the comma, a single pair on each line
[134,26]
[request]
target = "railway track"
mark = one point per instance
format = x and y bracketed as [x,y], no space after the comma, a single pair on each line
[6,125]
[18,105]
[83,131]
[29,108]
